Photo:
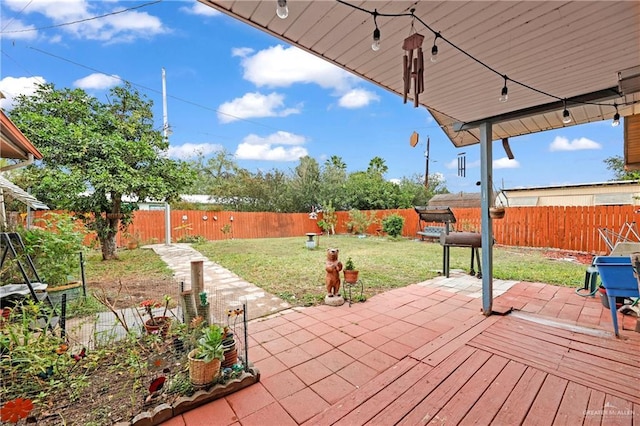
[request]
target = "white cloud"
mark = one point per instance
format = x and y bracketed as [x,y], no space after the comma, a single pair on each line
[97,81]
[191,150]
[254,105]
[122,27]
[242,52]
[561,143]
[505,163]
[16,30]
[280,66]
[11,87]
[278,138]
[279,146]
[198,8]
[357,98]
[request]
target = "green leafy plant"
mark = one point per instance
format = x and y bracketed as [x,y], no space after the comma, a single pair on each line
[54,245]
[359,221]
[329,218]
[209,345]
[393,225]
[349,265]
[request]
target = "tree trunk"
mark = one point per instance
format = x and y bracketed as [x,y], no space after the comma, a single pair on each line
[108,245]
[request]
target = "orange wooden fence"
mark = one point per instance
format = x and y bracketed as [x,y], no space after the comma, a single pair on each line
[567,228]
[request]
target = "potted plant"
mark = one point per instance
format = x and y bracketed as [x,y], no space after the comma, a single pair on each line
[350,272]
[156,324]
[133,240]
[205,360]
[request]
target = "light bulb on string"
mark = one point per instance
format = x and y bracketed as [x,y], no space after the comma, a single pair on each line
[282,10]
[434,49]
[616,117]
[375,46]
[504,95]
[566,117]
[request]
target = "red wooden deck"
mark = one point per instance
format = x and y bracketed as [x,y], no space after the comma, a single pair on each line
[421,355]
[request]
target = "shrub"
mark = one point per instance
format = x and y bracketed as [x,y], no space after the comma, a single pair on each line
[55,246]
[359,221]
[393,225]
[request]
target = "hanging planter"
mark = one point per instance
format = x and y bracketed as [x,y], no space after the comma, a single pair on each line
[500,203]
[496,212]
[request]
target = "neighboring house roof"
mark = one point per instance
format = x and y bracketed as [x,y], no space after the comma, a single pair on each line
[459,199]
[13,144]
[585,194]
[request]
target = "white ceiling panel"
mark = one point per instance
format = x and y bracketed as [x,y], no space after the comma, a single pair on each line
[566,49]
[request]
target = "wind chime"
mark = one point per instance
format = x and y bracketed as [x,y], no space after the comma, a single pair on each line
[413,67]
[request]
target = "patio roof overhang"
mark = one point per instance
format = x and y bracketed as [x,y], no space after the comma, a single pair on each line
[553,52]
[13,144]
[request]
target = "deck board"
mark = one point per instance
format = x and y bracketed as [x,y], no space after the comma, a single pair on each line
[355,399]
[458,406]
[593,415]
[428,408]
[394,412]
[545,406]
[390,393]
[552,355]
[488,405]
[573,406]
[503,371]
[516,407]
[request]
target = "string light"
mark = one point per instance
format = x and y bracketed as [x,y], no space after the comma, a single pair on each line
[504,96]
[566,117]
[434,49]
[616,117]
[375,46]
[282,10]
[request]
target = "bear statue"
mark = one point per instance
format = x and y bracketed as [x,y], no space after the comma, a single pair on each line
[333,267]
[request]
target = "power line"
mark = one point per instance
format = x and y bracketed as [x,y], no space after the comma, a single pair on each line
[18,14]
[151,89]
[78,21]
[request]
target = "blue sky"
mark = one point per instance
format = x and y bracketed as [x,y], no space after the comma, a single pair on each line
[234,87]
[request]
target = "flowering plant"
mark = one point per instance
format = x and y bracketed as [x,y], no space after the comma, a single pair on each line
[150,304]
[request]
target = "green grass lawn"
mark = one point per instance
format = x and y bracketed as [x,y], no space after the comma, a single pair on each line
[286,268]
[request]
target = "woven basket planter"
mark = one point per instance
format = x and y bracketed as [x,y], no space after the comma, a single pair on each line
[202,373]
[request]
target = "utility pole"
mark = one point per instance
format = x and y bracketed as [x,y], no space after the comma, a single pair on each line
[426,171]
[165,133]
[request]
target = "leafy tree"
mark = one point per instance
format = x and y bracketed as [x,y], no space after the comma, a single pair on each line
[377,166]
[616,165]
[97,155]
[305,185]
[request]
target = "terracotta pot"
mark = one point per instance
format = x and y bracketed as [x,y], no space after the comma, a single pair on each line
[159,325]
[350,276]
[230,358]
[203,373]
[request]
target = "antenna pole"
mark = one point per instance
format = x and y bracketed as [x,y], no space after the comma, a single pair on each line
[165,119]
[426,171]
